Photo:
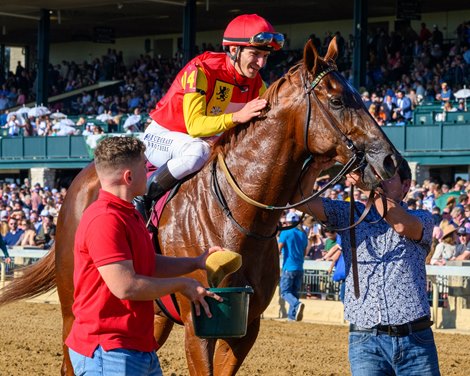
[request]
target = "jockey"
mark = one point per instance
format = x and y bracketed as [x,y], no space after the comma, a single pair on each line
[212,93]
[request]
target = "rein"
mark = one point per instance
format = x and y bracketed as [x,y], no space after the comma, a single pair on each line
[358,156]
[220,158]
[222,202]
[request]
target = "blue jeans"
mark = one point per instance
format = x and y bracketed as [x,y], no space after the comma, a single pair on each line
[116,362]
[291,283]
[372,354]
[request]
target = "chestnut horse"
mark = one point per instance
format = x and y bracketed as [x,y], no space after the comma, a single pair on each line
[313,112]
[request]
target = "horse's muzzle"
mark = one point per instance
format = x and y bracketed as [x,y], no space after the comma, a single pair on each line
[378,168]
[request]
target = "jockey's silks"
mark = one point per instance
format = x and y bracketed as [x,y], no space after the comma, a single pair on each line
[207,86]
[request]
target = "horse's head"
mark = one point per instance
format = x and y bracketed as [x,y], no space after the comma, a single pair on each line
[337,125]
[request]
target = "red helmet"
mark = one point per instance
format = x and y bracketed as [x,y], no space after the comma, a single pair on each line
[252,30]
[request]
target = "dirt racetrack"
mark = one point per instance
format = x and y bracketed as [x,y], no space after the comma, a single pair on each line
[30,345]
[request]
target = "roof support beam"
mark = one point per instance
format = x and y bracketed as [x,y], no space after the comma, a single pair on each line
[189,31]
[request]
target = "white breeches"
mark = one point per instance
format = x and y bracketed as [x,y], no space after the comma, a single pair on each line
[183,154]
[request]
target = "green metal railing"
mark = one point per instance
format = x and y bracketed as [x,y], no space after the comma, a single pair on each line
[52,152]
[445,142]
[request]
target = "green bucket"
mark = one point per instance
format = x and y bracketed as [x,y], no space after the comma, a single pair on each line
[229,318]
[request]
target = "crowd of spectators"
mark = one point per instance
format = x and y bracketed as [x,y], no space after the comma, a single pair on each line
[28,214]
[404,69]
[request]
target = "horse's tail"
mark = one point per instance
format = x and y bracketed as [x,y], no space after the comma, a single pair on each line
[35,280]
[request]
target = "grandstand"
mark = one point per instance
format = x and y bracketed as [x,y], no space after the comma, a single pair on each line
[434,144]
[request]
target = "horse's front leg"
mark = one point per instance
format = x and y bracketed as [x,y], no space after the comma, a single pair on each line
[230,353]
[199,352]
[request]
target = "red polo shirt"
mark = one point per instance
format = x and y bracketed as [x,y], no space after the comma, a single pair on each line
[110,230]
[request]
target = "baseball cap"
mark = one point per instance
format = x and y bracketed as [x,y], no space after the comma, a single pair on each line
[292,217]
[45,213]
[463,230]
[338,187]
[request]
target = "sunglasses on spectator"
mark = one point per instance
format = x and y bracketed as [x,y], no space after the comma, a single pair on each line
[266,39]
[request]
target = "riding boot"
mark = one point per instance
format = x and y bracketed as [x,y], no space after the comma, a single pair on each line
[141,204]
[159,182]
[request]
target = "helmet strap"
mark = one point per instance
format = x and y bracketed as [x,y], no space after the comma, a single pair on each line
[235,56]
[236,59]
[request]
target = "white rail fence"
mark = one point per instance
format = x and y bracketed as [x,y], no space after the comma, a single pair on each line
[317,282]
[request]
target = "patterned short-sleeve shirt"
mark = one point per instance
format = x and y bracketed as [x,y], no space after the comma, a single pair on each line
[392,272]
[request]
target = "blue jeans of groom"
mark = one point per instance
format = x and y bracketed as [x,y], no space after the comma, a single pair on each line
[372,354]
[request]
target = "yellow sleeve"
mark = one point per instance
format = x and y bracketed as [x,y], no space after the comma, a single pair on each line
[263,88]
[198,124]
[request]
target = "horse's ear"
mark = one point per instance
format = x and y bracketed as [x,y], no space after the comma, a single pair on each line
[310,56]
[332,52]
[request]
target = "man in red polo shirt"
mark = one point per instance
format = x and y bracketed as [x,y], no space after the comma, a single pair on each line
[117,274]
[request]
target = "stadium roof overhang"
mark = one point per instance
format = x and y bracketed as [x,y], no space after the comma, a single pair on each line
[77,20]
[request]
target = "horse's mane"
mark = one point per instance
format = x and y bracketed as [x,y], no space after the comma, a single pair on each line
[231,137]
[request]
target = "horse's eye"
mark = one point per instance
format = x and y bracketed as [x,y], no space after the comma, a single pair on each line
[336,102]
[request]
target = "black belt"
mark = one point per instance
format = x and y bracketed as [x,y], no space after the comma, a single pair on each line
[396,330]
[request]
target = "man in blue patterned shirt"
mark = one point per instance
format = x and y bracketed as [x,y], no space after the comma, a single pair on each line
[390,330]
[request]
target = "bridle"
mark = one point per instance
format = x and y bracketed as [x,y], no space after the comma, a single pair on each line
[310,91]
[357,161]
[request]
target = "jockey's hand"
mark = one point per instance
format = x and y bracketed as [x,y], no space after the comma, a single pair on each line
[201,260]
[196,293]
[249,111]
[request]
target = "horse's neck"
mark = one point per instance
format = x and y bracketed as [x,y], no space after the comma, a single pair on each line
[266,162]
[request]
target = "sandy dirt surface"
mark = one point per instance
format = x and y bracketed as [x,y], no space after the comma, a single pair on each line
[30,345]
